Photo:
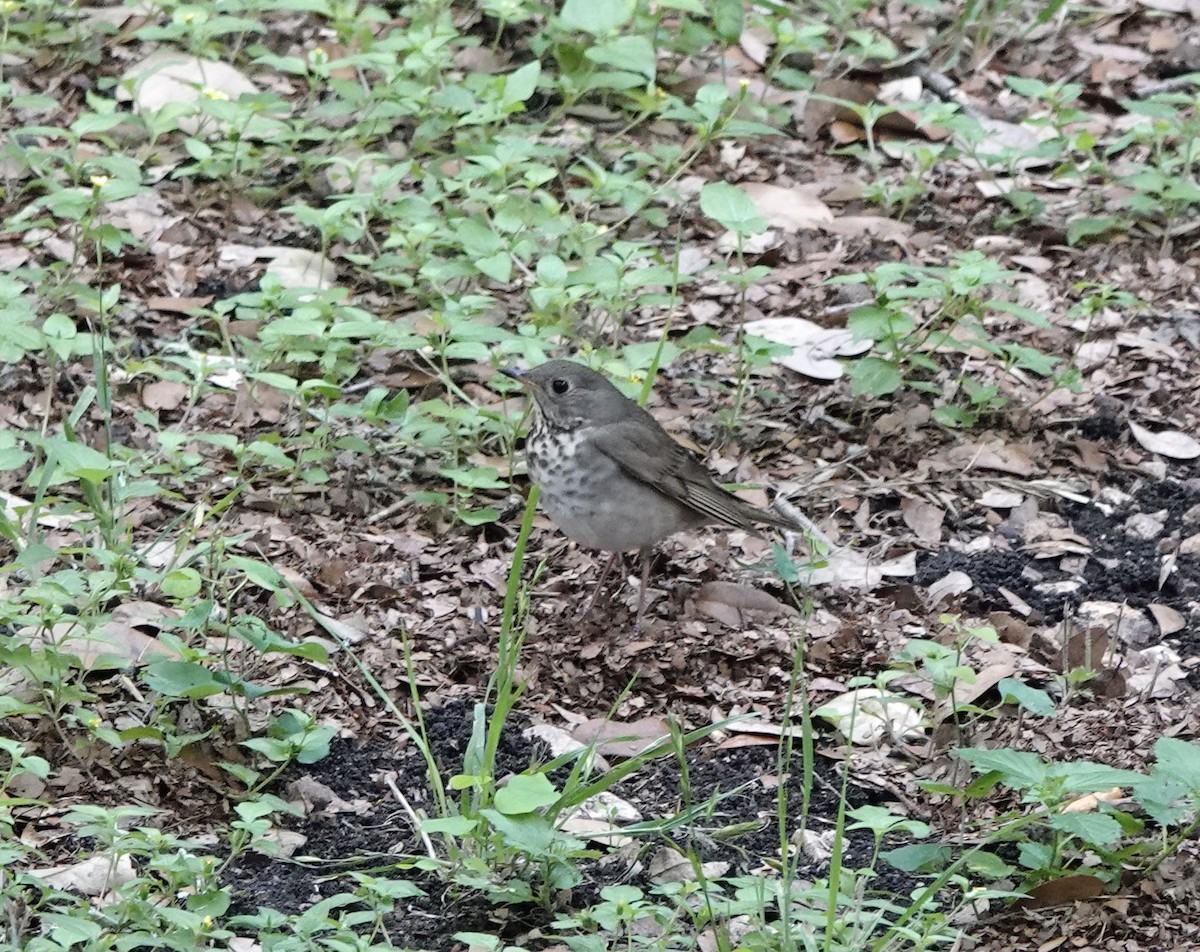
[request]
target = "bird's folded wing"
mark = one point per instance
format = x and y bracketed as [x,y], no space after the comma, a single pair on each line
[671,469]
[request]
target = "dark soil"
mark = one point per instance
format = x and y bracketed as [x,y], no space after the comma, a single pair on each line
[738,786]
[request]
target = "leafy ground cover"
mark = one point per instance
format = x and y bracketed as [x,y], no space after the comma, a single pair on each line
[289,659]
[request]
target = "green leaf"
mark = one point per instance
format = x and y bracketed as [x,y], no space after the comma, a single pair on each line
[1178,759]
[954,418]
[1014,691]
[479,940]
[729,19]
[1095,828]
[453,825]
[479,517]
[988,865]
[525,793]
[1082,228]
[498,267]
[181,583]
[1019,769]
[78,461]
[474,477]
[918,856]
[181,679]
[522,84]
[731,208]
[261,574]
[633,53]
[875,377]
[529,832]
[596,16]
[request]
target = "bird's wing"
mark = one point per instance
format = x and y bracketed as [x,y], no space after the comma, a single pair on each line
[672,469]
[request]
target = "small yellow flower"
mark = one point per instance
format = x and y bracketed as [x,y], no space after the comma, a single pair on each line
[208,922]
[744,83]
[99,181]
[211,92]
[94,723]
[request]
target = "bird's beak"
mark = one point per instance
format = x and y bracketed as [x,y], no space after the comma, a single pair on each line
[518,375]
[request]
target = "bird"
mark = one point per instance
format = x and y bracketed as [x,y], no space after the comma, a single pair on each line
[611,478]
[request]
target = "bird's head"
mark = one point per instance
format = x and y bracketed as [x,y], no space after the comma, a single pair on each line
[569,395]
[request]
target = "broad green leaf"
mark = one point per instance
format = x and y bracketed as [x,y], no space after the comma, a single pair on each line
[453,825]
[731,208]
[181,583]
[875,377]
[597,17]
[1015,691]
[1082,228]
[519,86]
[632,53]
[79,461]
[498,267]
[525,793]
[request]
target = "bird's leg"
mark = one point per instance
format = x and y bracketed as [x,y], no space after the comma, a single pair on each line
[604,573]
[647,554]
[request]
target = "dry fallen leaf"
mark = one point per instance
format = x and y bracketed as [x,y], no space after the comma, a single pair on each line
[1063,889]
[949,585]
[164,395]
[791,209]
[869,715]
[925,519]
[1169,443]
[95,876]
[1090,803]
[815,349]
[167,77]
[728,602]
[300,268]
[1169,620]
[616,739]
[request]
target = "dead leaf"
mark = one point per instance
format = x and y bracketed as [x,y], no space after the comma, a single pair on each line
[949,585]
[177,305]
[167,77]
[1169,443]
[164,395]
[92,877]
[1002,457]
[1090,803]
[925,519]
[616,739]
[790,209]
[1063,889]
[869,716]
[814,348]
[875,226]
[996,498]
[300,268]
[1169,620]
[728,602]
[670,866]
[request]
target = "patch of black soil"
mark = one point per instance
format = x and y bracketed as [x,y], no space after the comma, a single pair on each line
[742,784]
[1122,567]
[1102,426]
[735,787]
[380,833]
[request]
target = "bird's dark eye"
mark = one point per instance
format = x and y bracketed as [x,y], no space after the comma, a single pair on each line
[559,385]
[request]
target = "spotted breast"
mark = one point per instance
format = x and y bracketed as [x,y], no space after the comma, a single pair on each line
[586,495]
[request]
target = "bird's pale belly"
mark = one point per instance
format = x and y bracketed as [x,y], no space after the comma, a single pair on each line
[596,504]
